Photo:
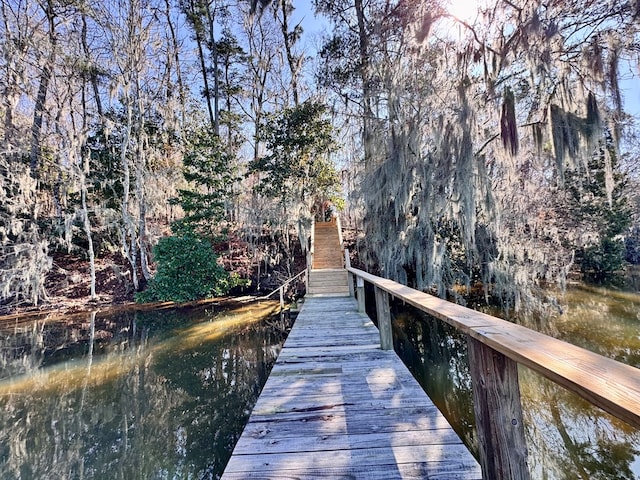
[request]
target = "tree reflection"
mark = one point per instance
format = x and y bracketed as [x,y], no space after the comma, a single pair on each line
[567,437]
[149,403]
[437,356]
[571,439]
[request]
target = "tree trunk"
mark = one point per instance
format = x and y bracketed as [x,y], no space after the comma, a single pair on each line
[176,59]
[87,229]
[43,88]
[365,75]
[128,232]
[92,72]
[11,93]
[211,17]
[288,47]
[142,213]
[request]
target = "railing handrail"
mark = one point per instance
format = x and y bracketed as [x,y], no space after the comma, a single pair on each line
[604,382]
[496,347]
[286,283]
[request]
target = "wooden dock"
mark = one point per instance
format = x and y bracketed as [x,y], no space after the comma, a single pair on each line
[337,406]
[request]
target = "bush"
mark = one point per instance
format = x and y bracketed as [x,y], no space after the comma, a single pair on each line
[601,261]
[187,270]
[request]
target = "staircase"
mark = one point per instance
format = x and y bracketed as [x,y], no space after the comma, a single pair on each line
[327,276]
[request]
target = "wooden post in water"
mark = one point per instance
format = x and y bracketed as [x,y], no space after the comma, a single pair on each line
[498,412]
[384,319]
[360,290]
[282,297]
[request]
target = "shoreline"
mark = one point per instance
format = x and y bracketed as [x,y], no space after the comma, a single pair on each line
[73,309]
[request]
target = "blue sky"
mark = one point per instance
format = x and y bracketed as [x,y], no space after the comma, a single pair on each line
[630,85]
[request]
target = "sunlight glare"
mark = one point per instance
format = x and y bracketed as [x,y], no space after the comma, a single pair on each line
[464,10]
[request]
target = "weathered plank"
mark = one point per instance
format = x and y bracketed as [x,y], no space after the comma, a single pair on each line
[265,443]
[337,406]
[405,471]
[451,457]
[335,423]
[384,319]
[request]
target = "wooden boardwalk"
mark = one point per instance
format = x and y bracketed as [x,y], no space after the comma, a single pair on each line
[337,406]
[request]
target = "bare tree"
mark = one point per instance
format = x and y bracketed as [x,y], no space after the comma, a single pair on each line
[282,11]
[50,13]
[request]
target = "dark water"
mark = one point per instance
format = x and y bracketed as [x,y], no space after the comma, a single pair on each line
[567,438]
[160,395]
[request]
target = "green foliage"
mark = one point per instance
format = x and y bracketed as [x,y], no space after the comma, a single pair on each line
[632,245]
[187,270]
[604,258]
[601,211]
[296,168]
[207,168]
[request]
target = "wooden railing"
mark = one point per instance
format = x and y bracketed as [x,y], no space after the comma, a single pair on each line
[340,240]
[285,284]
[496,347]
[311,248]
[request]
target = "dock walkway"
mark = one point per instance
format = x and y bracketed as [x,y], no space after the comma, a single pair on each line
[337,406]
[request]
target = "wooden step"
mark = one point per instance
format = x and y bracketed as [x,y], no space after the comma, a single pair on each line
[328,275]
[320,263]
[328,282]
[327,253]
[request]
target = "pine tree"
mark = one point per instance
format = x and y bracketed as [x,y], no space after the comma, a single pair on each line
[210,176]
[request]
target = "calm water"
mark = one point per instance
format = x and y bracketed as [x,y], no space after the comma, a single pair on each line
[161,395]
[567,437]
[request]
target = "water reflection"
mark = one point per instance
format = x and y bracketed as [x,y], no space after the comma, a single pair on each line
[138,395]
[567,437]
[603,321]
[436,354]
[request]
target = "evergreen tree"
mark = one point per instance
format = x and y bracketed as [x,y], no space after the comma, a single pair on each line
[207,169]
[599,213]
[296,169]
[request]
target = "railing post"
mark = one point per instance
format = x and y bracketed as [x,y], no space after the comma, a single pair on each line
[498,412]
[384,319]
[312,246]
[347,266]
[360,289]
[339,226]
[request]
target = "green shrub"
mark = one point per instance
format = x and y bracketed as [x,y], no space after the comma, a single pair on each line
[187,270]
[601,261]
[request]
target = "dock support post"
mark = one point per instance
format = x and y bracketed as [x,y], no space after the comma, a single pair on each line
[360,289]
[282,298]
[498,412]
[384,319]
